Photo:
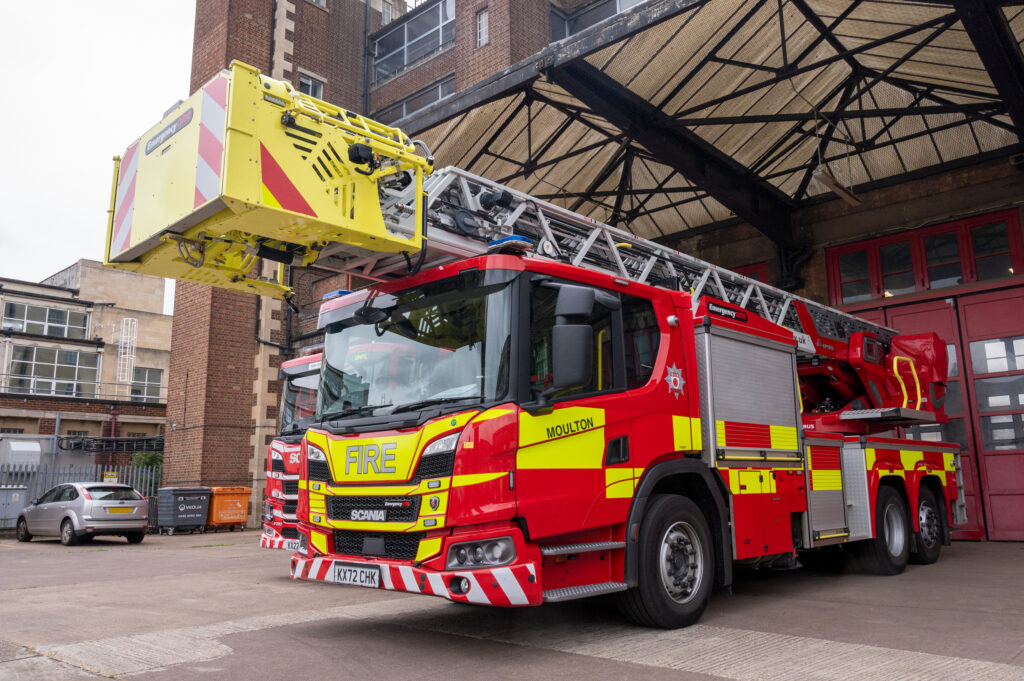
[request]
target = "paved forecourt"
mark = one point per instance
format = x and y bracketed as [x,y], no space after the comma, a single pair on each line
[195,606]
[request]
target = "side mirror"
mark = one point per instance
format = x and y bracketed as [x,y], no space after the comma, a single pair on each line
[33,502]
[572,356]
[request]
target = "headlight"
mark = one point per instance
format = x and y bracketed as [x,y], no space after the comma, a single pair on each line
[314,453]
[303,544]
[442,445]
[274,454]
[478,554]
[268,511]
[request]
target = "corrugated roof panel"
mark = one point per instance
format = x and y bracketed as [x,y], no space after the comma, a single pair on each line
[954,143]
[649,59]
[992,137]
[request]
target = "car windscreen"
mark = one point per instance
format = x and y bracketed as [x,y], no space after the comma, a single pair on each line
[113,494]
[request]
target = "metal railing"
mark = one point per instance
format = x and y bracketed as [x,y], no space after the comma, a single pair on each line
[146,393]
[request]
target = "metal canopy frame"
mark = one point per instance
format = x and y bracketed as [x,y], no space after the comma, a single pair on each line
[678,116]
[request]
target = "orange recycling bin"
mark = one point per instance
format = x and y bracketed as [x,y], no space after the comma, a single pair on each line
[229,507]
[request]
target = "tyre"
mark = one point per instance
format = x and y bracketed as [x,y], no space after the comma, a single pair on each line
[170,531]
[888,552]
[67,533]
[22,531]
[928,539]
[677,565]
[135,537]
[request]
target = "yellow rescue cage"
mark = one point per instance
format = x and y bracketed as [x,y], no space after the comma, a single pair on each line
[248,168]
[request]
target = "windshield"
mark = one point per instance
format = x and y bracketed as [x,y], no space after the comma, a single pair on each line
[298,401]
[444,341]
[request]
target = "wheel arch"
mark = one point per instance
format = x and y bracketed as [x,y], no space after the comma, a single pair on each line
[693,479]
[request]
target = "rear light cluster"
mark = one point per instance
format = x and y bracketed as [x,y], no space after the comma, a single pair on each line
[478,554]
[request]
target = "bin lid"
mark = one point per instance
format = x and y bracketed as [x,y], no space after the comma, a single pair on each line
[231,490]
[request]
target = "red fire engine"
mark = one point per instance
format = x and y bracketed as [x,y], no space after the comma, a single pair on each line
[528,405]
[300,377]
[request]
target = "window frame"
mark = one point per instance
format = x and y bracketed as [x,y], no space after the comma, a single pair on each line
[483,31]
[402,49]
[7,322]
[388,16]
[382,115]
[145,385]
[313,81]
[33,378]
[919,261]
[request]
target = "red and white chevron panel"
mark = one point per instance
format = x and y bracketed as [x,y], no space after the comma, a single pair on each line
[124,201]
[212,119]
[512,585]
[272,539]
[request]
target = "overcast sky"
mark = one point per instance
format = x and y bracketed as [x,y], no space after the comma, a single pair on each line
[83,79]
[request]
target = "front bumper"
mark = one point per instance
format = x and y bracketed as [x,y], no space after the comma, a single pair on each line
[511,585]
[272,539]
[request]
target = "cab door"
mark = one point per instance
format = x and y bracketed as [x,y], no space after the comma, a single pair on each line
[562,452]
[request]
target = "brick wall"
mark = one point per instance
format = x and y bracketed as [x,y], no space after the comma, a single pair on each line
[227,30]
[433,69]
[329,43]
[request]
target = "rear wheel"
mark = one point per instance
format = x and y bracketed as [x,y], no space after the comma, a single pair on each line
[887,553]
[22,531]
[928,539]
[677,565]
[67,533]
[135,537]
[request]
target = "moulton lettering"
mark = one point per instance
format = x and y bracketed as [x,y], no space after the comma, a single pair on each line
[570,427]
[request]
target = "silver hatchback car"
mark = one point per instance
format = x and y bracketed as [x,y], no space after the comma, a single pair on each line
[78,511]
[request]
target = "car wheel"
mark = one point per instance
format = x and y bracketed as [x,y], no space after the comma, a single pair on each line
[170,531]
[887,553]
[67,533]
[22,531]
[677,565]
[135,537]
[928,539]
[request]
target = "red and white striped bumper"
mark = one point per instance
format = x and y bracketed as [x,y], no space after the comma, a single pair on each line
[272,539]
[512,585]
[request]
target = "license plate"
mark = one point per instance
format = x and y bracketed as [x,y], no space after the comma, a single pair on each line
[119,510]
[357,575]
[291,545]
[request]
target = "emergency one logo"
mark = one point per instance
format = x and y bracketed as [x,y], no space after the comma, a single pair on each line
[675,381]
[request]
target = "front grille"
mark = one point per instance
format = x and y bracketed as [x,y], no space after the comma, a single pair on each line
[340,508]
[277,465]
[318,470]
[397,545]
[289,507]
[290,532]
[435,466]
[290,487]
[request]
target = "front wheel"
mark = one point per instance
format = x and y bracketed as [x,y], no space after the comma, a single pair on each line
[677,565]
[887,553]
[22,531]
[928,539]
[67,533]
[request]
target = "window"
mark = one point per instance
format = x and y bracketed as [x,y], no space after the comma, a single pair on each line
[968,251]
[78,433]
[311,86]
[542,320]
[69,493]
[482,37]
[146,385]
[385,14]
[640,326]
[12,431]
[559,26]
[136,435]
[44,321]
[562,26]
[51,495]
[417,102]
[52,371]
[419,35]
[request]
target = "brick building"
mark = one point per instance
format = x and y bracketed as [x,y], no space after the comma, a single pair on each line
[927,237]
[63,369]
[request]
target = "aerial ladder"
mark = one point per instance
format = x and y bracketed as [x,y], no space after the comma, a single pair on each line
[248,168]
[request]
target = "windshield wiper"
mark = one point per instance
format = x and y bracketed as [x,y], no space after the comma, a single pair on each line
[411,406]
[351,410]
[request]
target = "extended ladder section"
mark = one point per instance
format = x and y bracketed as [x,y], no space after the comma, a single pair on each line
[468,215]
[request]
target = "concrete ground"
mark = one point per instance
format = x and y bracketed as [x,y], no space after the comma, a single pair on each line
[216,606]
